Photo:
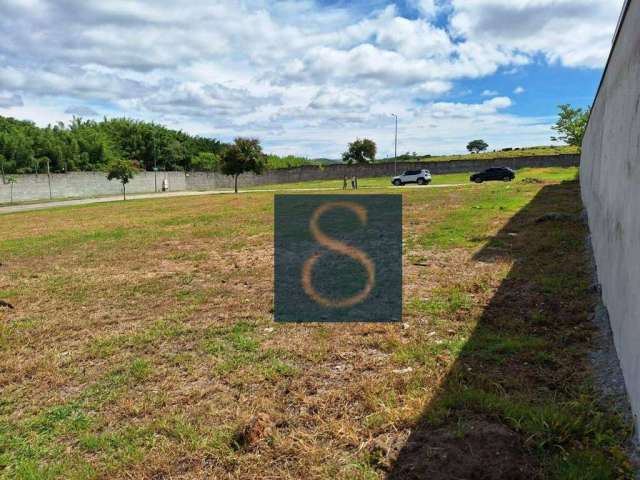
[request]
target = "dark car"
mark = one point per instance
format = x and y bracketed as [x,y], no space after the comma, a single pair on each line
[497,173]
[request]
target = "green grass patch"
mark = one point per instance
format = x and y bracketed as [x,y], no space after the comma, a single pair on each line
[497,347]
[560,431]
[442,301]
[237,348]
[426,352]
[467,225]
[546,174]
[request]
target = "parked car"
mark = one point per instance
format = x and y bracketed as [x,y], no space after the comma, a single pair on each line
[497,173]
[421,177]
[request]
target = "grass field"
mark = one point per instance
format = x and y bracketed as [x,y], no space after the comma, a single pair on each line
[520,152]
[542,174]
[141,345]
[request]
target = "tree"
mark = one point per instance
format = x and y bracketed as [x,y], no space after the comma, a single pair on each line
[123,170]
[571,124]
[360,151]
[174,154]
[245,155]
[205,162]
[477,146]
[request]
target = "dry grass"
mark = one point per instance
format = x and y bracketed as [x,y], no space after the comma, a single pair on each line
[141,343]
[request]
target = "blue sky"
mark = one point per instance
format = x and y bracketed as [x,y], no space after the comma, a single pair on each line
[306,76]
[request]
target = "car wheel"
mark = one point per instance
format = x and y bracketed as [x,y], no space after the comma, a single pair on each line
[477,180]
[421,181]
[506,179]
[397,183]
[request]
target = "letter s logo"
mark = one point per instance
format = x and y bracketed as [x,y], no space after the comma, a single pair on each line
[339,247]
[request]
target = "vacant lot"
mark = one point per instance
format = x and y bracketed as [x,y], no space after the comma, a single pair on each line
[141,345]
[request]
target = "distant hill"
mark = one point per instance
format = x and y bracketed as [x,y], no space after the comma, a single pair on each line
[503,153]
[325,161]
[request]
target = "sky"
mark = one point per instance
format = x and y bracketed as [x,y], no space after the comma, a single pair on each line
[307,77]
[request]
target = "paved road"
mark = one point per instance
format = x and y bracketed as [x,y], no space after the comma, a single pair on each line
[116,198]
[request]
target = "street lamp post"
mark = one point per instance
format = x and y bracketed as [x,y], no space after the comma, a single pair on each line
[49,179]
[155,163]
[395,148]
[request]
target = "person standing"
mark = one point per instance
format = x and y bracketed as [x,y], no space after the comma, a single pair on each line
[353,182]
[344,183]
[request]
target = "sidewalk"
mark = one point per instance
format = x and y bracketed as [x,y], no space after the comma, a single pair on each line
[141,196]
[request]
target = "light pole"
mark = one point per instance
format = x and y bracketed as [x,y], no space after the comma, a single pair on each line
[395,148]
[155,163]
[49,178]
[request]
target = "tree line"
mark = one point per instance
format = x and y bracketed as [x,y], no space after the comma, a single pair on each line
[88,145]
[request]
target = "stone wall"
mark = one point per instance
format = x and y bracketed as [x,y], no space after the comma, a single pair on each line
[211,181]
[91,184]
[84,184]
[610,181]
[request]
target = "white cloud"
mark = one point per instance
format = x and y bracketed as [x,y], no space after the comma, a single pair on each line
[339,98]
[193,99]
[414,38]
[465,110]
[72,81]
[564,31]
[428,8]
[81,111]
[301,76]
[9,100]
[433,87]
[518,90]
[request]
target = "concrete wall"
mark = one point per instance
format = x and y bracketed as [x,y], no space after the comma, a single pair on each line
[208,181]
[88,184]
[610,179]
[83,184]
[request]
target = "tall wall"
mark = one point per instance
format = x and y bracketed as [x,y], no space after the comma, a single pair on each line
[84,184]
[208,181]
[89,184]
[610,179]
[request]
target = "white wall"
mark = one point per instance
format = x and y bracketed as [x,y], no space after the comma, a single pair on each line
[84,184]
[610,180]
[90,184]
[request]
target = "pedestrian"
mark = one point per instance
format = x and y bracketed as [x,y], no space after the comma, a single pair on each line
[356,181]
[353,182]
[344,183]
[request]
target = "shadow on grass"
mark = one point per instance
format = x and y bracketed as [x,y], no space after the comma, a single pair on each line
[518,402]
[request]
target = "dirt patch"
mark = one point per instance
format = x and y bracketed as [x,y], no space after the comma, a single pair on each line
[4,304]
[259,428]
[483,451]
[557,217]
[529,180]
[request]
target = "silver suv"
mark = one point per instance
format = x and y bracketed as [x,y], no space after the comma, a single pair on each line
[421,177]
